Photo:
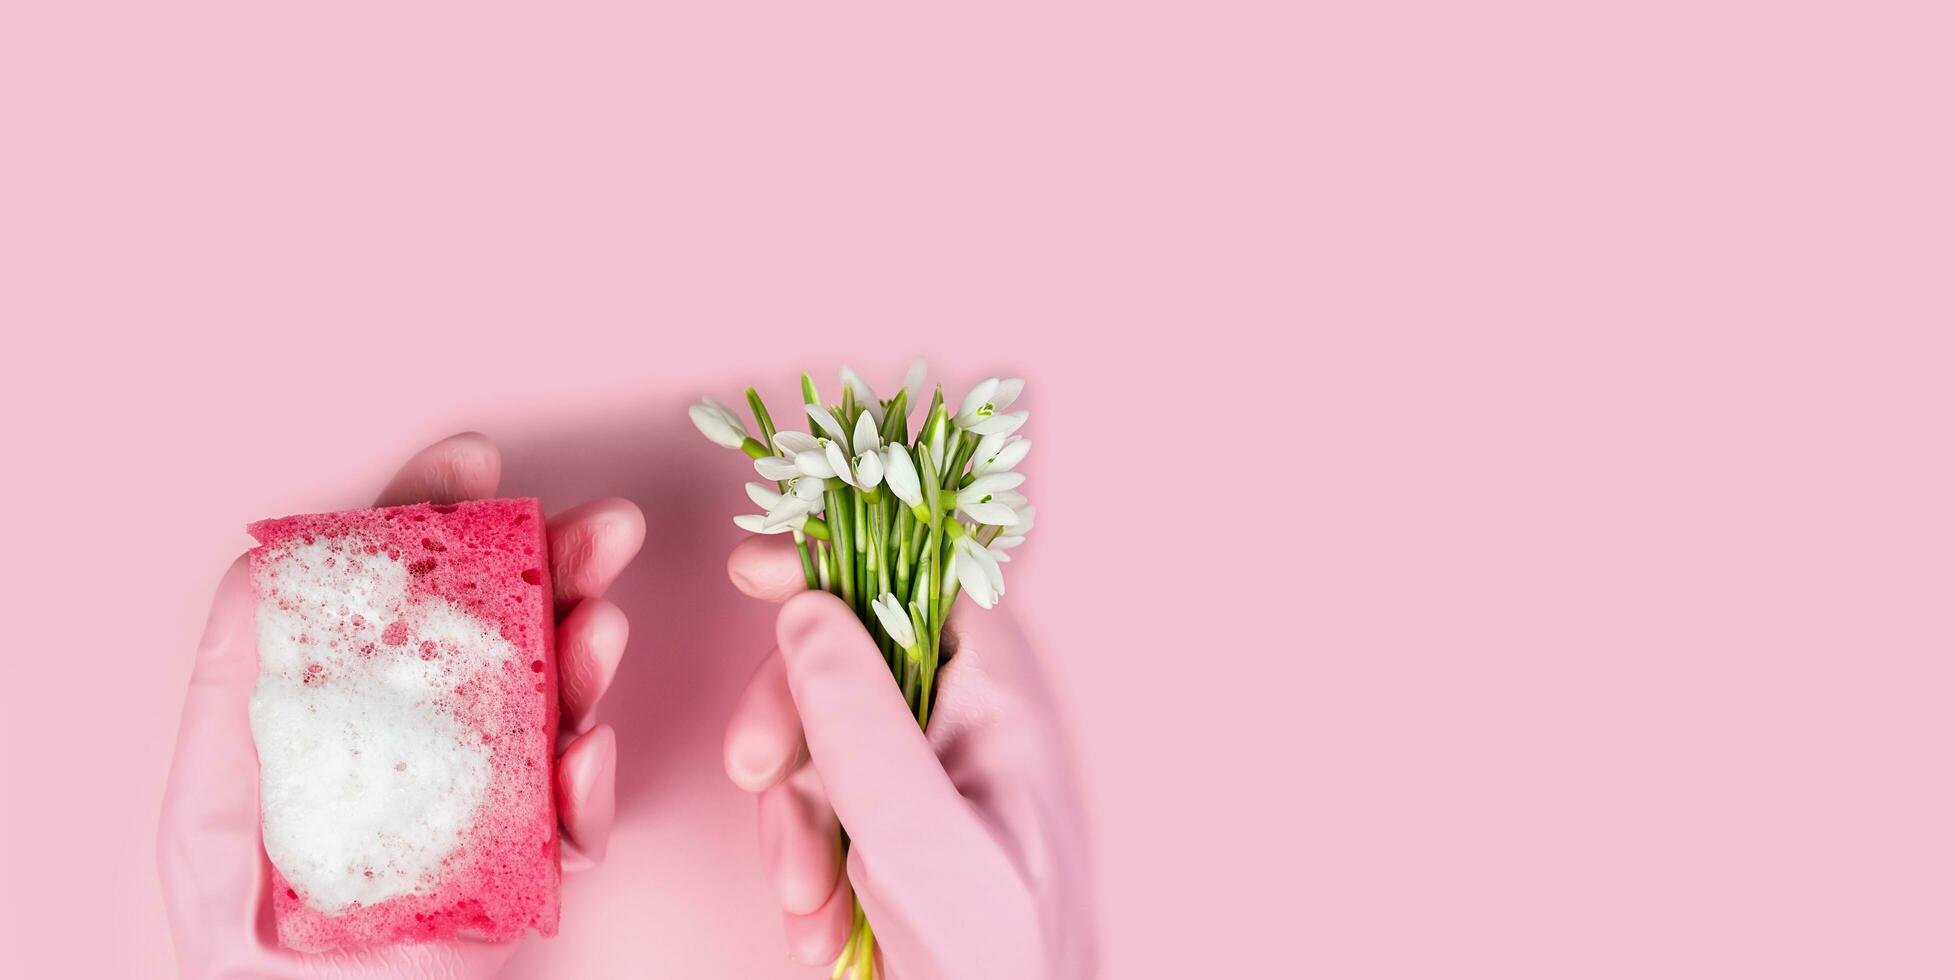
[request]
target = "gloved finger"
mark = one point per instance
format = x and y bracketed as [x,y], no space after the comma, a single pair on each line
[816,939]
[763,737]
[767,566]
[590,642]
[590,545]
[464,466]
[587,776]
[207,845]
[881,775]
[800,842]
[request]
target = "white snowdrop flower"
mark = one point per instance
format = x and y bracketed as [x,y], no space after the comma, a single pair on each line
[776,468]
[895,620]
[1005,424]
[999,454]
[981,410]
[794,442]
[811,453]
[767,498]
[863,470]
[974,567]
[867,438]
[815,463]
[901,476]
[864,395]
[1013,535]
[986,502]
[787,446]
[763,496]
[825,421]
[1011,498]
[757,524]
[913,380]
[717,423]
[788,511]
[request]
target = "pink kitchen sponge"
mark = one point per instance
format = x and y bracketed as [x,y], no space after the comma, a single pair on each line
[405,716]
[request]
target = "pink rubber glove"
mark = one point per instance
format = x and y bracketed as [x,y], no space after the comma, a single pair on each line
[214,869]
[968,847]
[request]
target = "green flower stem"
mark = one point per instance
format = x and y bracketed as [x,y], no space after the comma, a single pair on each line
[895,418]
[918,533]
[905,560]
[964,454]
[760,416]
[953,445]
[860,522]
[920,590]
[926,689]
[936,405]
[844,549]
[766,423]
[912,675]
[879,548]
[807,561]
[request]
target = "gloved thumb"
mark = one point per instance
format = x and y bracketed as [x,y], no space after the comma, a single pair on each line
[879,771]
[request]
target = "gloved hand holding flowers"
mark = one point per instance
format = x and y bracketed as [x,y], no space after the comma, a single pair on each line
[964,847]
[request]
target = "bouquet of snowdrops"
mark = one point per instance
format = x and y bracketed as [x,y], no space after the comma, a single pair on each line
[895,523]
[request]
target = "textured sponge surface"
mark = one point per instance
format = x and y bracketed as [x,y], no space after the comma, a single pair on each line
[405,715]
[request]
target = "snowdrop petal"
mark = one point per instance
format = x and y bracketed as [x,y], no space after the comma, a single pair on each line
[987,447]
[974,579]
[997,424]
[757,524]
[1006,393]
[1005,453]
[838,464]
[810,488]
[991,483]
[979,397]
[775,468]
[901,476]
[825,419]
[850,379]
[989,512]
[785,513]
[794,442]
[763,496]
[895,620]
[995,571]
[1025,516]
[868,470]
[1010,498]
[717,424]
[863,394]
[913,381]
[815,464]
[867,439]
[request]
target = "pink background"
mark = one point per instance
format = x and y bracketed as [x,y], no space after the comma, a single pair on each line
[1493,460]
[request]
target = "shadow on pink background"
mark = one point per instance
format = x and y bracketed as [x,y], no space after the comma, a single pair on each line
[1493,459]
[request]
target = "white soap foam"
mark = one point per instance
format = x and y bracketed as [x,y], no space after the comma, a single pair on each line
[367,780]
